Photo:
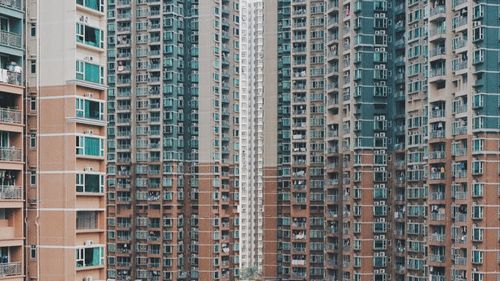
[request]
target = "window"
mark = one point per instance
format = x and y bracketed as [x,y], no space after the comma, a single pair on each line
[97,5]
[33,29]
[33,103]
[477,145]
[89,146]
[33,251]
[32,66]
[89,35]
[32,139]
[90,256]
[89,109]
[4,24]
[87,219]
[89,72]
[32,177]
[90,183]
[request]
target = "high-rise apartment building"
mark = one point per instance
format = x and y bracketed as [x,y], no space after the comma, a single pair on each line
[65,140]
[173,140]
[303,140]
[11,141]
[410,138]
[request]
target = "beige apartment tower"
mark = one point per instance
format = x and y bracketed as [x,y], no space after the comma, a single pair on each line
[65,140]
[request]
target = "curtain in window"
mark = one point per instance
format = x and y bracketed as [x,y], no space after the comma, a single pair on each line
[92,183]
[87,108]
[92,73]
[92,146]
[97,36]
[96,256]
[92,4]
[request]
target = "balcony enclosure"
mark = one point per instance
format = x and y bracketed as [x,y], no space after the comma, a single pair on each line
[10,261]
[9,109]
[9,190]
[97,5]
[10,144]
[89,35]
[90,256]
[89,109]
[89,183]
[11,31]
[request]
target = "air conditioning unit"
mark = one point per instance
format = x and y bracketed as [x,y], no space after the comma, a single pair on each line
[88,243]
[88,95]
[88,278]
[87,169]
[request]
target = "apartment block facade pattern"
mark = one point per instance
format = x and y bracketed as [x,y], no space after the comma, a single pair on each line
[239,140]
[65,140]
[173,148]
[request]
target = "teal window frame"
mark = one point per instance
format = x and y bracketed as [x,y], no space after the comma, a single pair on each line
[83,29]
[90,146]
[83,109]
[89,183]
[97,5]
[89,256]
[89,72]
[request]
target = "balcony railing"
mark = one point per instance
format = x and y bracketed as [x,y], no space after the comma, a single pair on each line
[10,269]
[10,116]
[437,10]
[10,39]
[10,154]
[15,4]
[434,72]
[11,77]
[10,192]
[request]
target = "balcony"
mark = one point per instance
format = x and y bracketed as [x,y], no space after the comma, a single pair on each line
[458,2]
[10,39]
[437,154]
[438,216]
[459,64]
[437,176]
[10,192]
[436,72]
[437,134]
[441,9]
[460,173]
[459,21]
[438,277]
[437,32]
[437,195]
[459,42]
[13,77]
[459,130]
[10,269]
[10,154]
[10,116]
[14,4]
[437,113]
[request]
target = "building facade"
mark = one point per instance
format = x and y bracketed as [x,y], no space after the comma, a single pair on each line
[173,140]
[65,140]
[410,139]
[12,235]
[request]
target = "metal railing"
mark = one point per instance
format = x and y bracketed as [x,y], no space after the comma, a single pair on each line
[15,4]
[10,192]
[10,39]
[10,154]
[11,77]
[10,269]
[10,116]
